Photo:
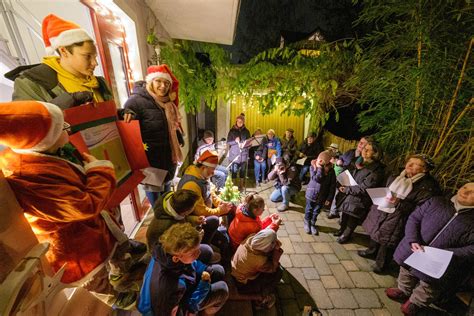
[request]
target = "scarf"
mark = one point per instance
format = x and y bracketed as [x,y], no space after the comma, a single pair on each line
[458,206]
[174,123]
[401,187]
[72,83]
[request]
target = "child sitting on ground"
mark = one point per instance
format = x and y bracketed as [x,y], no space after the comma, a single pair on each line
[247,220]
[320,190]
[256,267]
[175,283]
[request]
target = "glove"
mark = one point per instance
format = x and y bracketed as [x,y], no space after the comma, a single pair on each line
[69,100]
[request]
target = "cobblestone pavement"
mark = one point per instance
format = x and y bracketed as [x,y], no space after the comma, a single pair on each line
[319,271]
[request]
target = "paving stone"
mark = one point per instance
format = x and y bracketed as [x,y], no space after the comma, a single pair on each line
[341,312]
[304,236]
[363,312]
[286,245]
[310,273]
[340,251]
[349,265]
[384,280]
[363,279]
[298,276]
[319,294]
[321,247]
[362,263]
[295,238]
[342,298]
[291,228]
[285,261]
[392,306]
[352,247]
[290,307]
[285,291]
[301,261]
[300,223]
[366,298]
[323,237]
[282,233]
[384,312]
[331,258]
[320,264]
[341,275]
[329,282]
[294,216]
[302,247]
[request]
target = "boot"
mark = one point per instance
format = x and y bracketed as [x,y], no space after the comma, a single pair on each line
[307,229]
[395,294]
[241,184]
[314,230]
[410,309]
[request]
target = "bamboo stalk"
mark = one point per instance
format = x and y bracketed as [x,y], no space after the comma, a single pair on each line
[453,99]
[417,89]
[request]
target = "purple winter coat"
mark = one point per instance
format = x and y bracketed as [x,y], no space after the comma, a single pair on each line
[321,187]
[422,227]
[388,228]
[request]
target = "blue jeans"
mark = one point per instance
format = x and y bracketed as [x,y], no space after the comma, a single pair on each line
[154,196]
[283,194]
[219,177]
[238,168]
[219,291]
[303,172]
[334,210]
[260,167]
[311,212]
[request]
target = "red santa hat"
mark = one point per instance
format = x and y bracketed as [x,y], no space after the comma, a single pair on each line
[164,72]
[30,125]
[208,159]
[58,32]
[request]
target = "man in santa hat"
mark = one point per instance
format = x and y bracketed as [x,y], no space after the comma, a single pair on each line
[67,80]
[62,198]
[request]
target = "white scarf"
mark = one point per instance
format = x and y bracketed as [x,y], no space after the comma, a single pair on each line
[458,206]
[401,187]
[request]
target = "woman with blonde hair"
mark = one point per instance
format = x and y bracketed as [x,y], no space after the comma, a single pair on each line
[154,103]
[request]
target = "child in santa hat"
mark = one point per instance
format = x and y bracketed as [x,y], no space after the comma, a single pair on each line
[67,80]
[62,198]
[154,103]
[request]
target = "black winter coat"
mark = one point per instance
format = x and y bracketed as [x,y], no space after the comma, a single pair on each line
[234,150]
[389,228]
[355,201]
[311,151]
[422,227]
[153,127]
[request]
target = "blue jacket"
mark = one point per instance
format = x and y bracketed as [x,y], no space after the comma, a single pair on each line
[167,284]
[321,186]
[274,144]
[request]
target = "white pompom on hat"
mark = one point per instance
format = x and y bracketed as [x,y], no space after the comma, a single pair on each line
[58,32]
[30,125]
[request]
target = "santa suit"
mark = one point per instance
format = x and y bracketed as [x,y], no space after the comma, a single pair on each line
[62,202]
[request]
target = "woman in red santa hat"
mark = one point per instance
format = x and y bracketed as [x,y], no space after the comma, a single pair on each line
[154,103]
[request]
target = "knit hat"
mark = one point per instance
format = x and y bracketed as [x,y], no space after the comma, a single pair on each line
[30,125]
[325,156]
[208,134]
[264,240]
[58,32]
[333,146]
[241,116]
[164,72]
[208,159]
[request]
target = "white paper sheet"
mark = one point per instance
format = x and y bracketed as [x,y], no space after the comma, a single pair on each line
[301,161]
[154,176]
[432,261]
[378,196]
[345,179]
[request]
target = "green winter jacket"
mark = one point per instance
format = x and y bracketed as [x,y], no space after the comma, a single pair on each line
[40,82]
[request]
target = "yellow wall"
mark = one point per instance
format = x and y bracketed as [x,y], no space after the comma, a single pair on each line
[277,121]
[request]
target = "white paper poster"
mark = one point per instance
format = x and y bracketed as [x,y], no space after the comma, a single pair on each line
[431,261]
[378,196]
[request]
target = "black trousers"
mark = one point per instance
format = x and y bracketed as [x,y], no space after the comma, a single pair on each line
[348,224]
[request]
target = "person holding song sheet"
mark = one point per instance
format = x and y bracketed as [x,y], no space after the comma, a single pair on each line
[440,223]
[355,202]
[408,190]
[220,174]
[238,156]
[260,161]
[273,148]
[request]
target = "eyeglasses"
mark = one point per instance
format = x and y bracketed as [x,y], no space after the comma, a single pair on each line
[66,127]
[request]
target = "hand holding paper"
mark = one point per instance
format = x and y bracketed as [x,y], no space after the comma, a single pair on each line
[379,198]
[346,179]
[431,261]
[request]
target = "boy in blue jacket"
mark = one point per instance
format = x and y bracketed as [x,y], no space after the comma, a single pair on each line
[175,283]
